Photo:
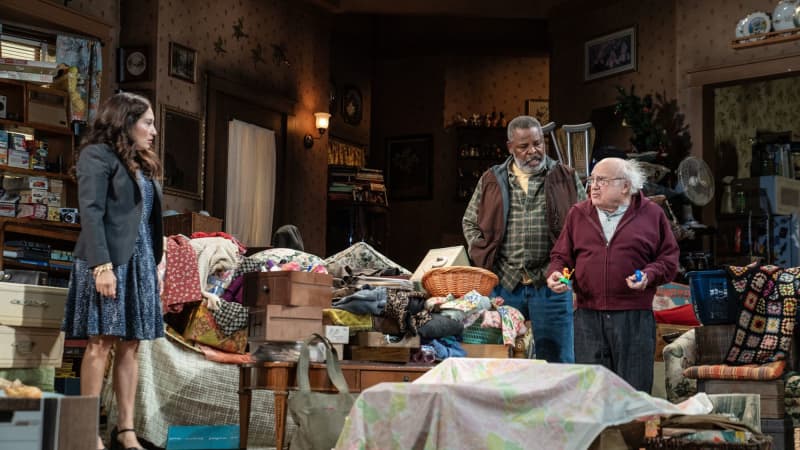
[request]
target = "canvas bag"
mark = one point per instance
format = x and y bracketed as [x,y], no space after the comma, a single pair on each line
[319,416]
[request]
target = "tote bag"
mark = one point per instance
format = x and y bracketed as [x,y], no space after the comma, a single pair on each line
[319,416]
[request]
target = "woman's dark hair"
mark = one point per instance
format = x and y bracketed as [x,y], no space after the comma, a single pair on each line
[112,126]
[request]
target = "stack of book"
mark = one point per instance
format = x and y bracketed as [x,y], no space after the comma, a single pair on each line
[358,184]
[27,70]
[28,252]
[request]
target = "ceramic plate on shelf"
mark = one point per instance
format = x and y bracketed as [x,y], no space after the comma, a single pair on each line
[740,28]
[783,15]
[757,23]
[797,16]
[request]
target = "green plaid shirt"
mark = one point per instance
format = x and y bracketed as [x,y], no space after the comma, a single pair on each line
[526,244]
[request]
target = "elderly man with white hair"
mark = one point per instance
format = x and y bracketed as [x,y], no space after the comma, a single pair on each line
[621,247]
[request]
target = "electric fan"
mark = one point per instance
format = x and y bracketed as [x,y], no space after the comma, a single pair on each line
[696,183]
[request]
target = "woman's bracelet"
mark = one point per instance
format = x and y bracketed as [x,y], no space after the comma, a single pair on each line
[102,268]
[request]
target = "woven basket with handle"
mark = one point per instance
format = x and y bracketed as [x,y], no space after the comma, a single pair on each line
[458,280]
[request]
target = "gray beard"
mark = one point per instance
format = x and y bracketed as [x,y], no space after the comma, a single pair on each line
[530,171]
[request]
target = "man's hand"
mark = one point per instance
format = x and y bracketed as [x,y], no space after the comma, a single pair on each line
[637,285]
[106,284]
[555,284]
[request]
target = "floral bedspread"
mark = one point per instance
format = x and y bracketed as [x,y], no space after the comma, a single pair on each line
[499,404]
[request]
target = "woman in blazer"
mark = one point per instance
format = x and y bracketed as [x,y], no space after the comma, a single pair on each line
[113,297]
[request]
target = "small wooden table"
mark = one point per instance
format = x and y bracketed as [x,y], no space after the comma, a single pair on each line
[280,377]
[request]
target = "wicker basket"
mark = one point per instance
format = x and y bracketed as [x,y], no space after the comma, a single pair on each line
[458,280]
[476,334]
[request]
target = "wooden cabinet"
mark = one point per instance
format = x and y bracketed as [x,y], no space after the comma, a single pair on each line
[477,149]
[35,126]
[357,208]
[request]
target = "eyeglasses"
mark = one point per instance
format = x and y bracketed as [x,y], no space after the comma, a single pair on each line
[600,182]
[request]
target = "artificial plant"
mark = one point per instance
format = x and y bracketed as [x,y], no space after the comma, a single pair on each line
[657,126]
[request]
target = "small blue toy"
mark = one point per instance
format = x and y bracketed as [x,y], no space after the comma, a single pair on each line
[638,275]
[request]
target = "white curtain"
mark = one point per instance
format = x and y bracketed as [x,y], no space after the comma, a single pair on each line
[250,196]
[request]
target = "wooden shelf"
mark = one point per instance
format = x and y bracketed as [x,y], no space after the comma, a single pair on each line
[774,37]
[37,127]
[8,262]
[41,228]
[34,173]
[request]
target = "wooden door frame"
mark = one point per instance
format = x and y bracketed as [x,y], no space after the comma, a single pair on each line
[279,104]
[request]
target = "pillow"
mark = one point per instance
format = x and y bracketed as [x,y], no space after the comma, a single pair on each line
[679,315]
[763,372]
[254,262]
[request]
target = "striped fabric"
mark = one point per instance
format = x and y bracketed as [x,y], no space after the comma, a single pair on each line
[768,371]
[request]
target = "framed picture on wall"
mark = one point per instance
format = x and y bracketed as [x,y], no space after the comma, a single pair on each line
[610,54]
[182,62]
[409,173]
[133,64]
[182,152]
[538,108]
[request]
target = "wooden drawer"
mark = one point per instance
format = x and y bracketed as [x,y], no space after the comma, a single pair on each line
[277,323]
[26,305]
[22,347]
[288,288]
[318,376]
[372,377]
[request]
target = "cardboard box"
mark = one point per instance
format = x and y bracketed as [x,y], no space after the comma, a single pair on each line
[378,339]
[70,422]
[288,288]
[202,437]
[487,350]
[337,334]
[32,210]
[278,323]
[441,257]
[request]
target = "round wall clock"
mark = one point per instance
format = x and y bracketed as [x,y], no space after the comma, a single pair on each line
[352,105]
[134,64]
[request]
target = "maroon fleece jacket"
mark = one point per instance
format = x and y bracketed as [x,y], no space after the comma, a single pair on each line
[643,240]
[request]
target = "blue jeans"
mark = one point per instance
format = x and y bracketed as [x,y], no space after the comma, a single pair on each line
[551,317]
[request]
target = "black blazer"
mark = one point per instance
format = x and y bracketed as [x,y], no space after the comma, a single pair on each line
[111,208]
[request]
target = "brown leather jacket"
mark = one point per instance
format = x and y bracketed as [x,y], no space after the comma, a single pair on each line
[560,195]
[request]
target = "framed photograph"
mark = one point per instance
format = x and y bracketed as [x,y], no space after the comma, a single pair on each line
[182,62]
[538,108]
[352,105]
[409,168]
[610,54]
[133,64]
[182,152]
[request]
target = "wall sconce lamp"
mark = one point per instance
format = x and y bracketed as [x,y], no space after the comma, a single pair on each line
[322,120]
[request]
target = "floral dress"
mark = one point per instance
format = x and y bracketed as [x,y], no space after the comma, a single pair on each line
[135,314]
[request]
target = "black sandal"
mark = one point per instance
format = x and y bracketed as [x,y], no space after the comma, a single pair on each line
[115,442]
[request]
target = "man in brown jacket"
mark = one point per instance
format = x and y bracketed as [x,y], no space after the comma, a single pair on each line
[511,223]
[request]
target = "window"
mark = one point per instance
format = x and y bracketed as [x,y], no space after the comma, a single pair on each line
[21,43]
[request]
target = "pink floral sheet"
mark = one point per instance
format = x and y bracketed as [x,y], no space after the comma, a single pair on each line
[466,403]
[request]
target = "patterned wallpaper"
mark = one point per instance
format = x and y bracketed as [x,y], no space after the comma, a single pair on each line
[246,41]
[482,84]
[741,110]
[572,99]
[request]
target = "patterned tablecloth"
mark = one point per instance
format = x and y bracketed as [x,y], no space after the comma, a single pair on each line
[500,404]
